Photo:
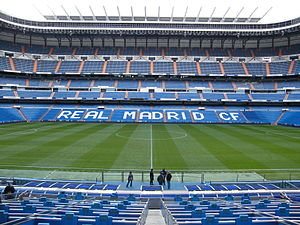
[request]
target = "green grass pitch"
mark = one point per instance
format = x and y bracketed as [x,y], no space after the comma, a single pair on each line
[141,146]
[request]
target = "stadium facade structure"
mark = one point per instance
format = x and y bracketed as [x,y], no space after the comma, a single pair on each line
[154,62]
[100,69]
[151,64]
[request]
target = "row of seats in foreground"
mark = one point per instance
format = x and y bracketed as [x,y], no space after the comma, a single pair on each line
[79,210]
[230,210]
[63,211]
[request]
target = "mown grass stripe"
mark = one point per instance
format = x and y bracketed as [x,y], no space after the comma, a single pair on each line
[165,152]
[20,144]
[205,147]
[16,126]
[276,149]
[104,154]
[244,142]
[197,156]
[272,132]
[136,152]
[9,132]
[45,149]
[79,147]
[228,155]
[30,133]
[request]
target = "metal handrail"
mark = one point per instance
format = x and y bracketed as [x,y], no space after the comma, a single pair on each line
[143,217]
[32,216]
[169,219]
[272,216]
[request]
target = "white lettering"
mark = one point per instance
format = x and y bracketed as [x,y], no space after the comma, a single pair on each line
[129,114]
[146,115]
[198,116]
[64,114]
[92,114]
[101,117]
[183,115]
[157,115]
[222,116]
[76,114]
[234,116]
[171,115]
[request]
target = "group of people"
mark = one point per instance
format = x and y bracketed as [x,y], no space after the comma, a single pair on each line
[163,177]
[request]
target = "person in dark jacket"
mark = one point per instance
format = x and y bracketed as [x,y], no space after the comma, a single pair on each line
[164,173]
[168,178]
[9,191]
[160,179]
[130,179]
[151,177]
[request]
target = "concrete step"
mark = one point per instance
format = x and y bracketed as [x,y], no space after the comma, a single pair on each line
[154,217]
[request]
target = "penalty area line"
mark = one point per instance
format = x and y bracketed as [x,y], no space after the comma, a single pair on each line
[21,132]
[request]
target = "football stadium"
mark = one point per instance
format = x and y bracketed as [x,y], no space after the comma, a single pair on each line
[150,112]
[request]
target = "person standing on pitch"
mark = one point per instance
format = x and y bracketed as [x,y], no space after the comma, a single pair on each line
[168,178]
[151,177]
[130,179]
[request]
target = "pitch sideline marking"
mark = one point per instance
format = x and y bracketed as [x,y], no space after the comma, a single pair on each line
[151,148]
[211,171]
[52,172]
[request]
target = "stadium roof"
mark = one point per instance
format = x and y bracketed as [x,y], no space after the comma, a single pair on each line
[254,11]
